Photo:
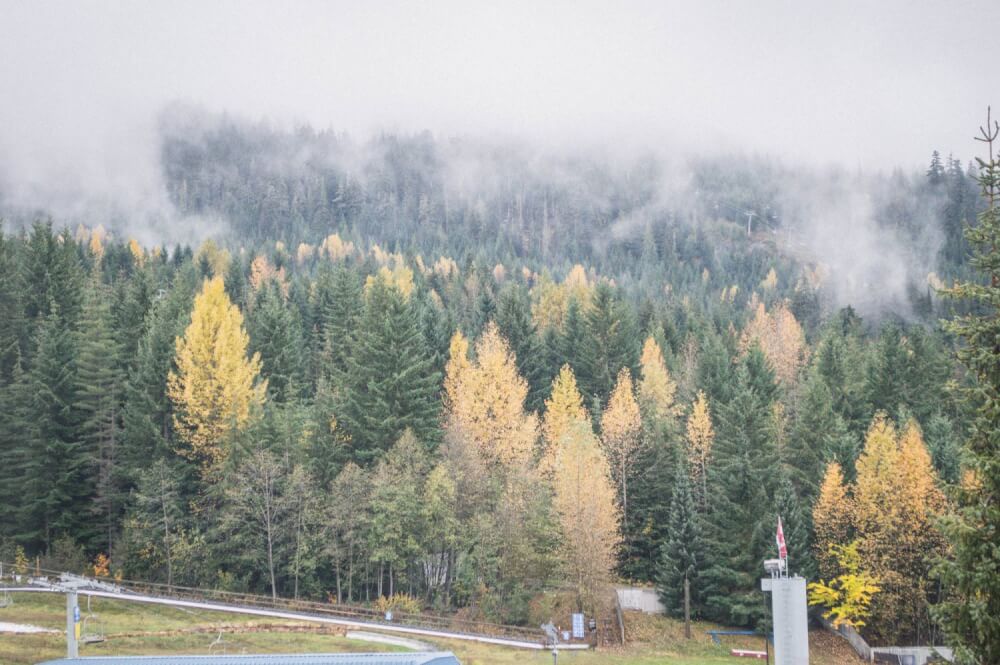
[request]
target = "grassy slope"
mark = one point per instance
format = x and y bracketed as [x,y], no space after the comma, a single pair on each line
[651,639]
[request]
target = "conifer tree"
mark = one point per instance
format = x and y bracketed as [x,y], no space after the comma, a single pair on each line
[682,554]
[831,518]
[740,530]
[813,437]
[609,345]
[391,385]
[513,319]
[584,500]
[621,434]
[215,389]
[562,410]
[657,390]
[99,396]
[51,501]
[700,437]
[485,400]
[275,335]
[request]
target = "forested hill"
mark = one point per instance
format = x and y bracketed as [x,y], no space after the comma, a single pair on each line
[643,220]
[410,363]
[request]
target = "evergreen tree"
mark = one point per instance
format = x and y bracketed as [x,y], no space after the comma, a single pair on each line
[610,344]
[682,553]
[796,526]
[739,528]
[970,614]
[513,318]
[58,471]
[275,335]
[392,386]
[100,386]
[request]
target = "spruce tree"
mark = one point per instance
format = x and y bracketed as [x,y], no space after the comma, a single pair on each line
[513,318]
[682,554]
[741,480]
[276,334]
[610,344]
[391,382]
[59,469]
[100,387]
[970,614]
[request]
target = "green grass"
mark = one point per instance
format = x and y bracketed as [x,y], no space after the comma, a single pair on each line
[127,625]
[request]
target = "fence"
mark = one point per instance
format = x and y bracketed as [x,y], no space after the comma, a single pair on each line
[899,655]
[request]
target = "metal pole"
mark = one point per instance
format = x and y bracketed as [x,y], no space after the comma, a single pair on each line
[687,607]
[72,618]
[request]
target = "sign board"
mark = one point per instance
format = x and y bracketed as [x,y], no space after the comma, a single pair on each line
[578,633]
[76,614]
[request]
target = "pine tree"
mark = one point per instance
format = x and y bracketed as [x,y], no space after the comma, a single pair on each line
[215,389]
[682,553]
[391,385]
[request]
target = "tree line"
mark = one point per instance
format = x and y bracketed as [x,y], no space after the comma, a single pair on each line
[352,423]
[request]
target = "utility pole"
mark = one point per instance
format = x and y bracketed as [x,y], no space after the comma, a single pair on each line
[750,215]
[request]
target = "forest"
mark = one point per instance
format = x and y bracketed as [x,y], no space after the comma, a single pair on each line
[470,379]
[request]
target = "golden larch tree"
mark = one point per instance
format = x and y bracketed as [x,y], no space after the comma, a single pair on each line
[215,389]
[584,501]
[485,400]
[831,519]
[621,433]
[458,363]
[896,501]
[563,409]
[780,337]
[657,390]
[700,436]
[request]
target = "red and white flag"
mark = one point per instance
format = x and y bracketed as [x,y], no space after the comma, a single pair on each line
[780,539]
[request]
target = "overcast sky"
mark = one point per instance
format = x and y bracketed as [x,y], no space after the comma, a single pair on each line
[869,84]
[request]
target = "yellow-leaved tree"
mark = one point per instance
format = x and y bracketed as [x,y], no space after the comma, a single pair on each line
[700,436]
[831,519]
[485,399]
[780,337]
[584,501]
[621,433]
[562,410]
[215,389]
[656,389]
[848,596]
[895,504]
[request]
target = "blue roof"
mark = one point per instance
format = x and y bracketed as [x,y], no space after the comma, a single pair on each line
[425,658]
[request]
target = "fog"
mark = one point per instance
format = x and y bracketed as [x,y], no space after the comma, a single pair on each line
[849,85]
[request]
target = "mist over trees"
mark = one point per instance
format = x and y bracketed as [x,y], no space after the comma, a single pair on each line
[478,381]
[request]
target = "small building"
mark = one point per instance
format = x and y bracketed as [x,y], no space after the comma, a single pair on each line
[414,658]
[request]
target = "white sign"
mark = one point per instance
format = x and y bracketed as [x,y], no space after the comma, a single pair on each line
[578,627]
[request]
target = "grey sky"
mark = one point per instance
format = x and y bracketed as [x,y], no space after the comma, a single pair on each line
[868,84]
